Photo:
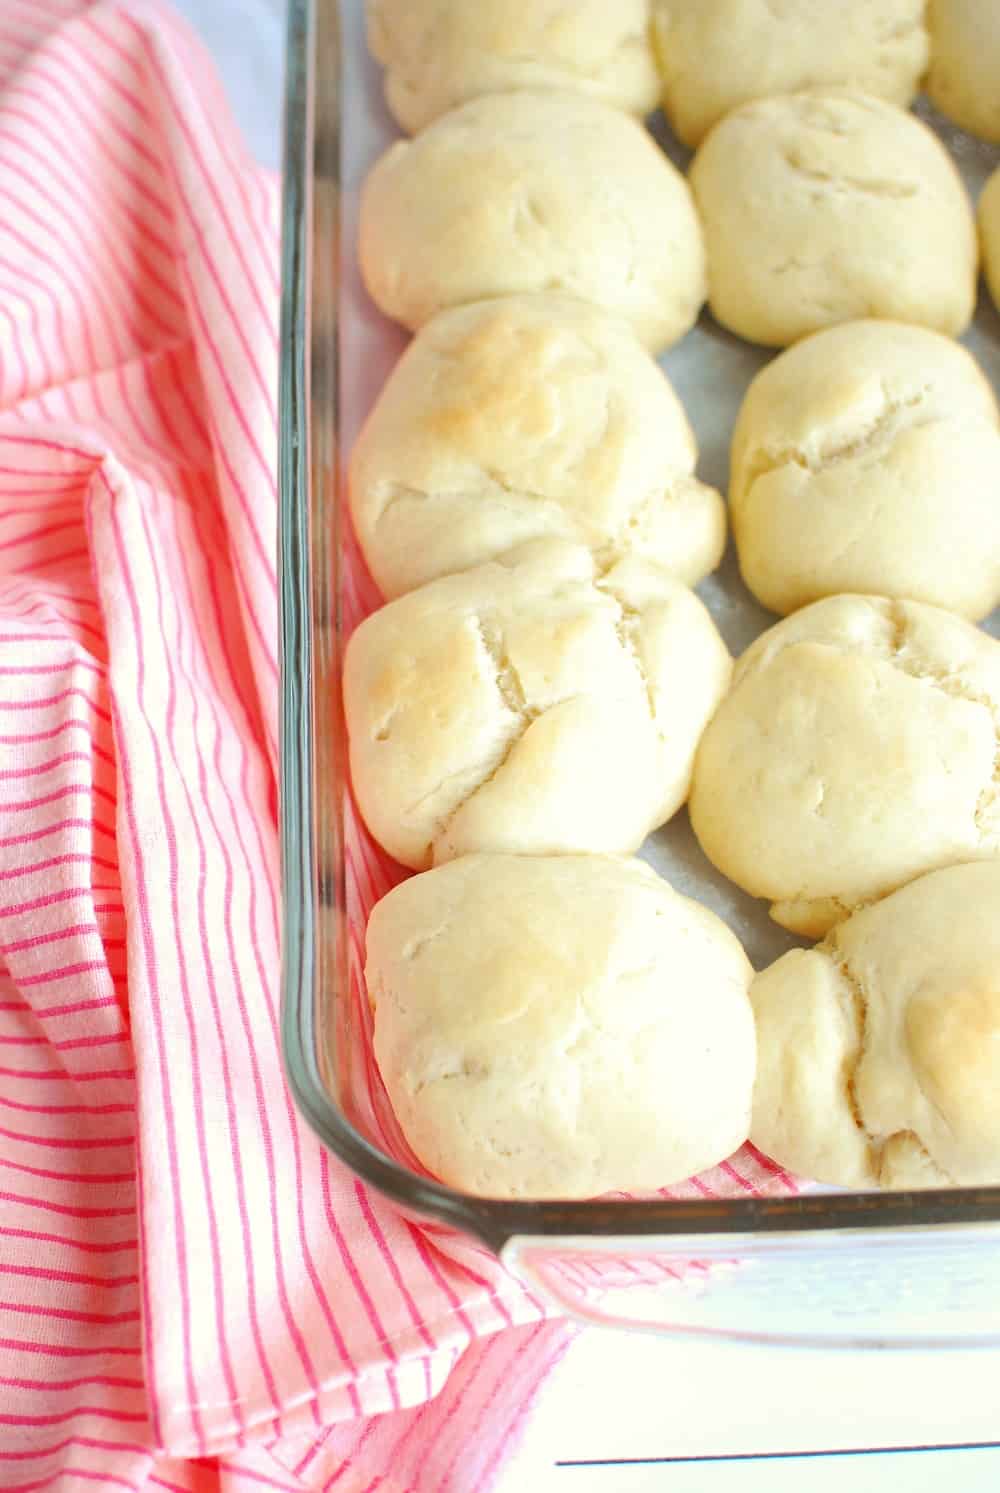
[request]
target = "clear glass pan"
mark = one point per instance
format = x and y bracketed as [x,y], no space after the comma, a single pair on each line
[897,1269]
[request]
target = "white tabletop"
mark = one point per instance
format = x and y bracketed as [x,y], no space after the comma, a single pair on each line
[629,1414]
[626,1413]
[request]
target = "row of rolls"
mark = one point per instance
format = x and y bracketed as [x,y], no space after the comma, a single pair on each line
[544,689]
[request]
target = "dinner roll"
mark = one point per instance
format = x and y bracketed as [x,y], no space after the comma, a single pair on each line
[879,1051]
[529,706]
[439,53]
[856,750]
[964,76]
[989,234]
[867,458]
[559,1026]
[530,192]
[821,207]
[525,417]
[717,54]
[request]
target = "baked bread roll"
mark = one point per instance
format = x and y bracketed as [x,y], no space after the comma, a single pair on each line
[533,192]
[715,55]
[963,80]
[529,706]
[559,1026]
[440,53]
[989,234]
[879,1051]
[856,750]
[822,207]
[523,418]
[867,458]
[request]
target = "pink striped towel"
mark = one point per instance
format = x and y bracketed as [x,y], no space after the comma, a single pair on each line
[192,1295]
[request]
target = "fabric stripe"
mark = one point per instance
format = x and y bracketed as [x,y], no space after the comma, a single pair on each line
[149,958]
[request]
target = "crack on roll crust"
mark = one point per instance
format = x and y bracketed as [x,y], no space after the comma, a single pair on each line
[465,1067]
[383,730]
[948,684]
[416,946]
[678,486]
[511,692]
[493,771]
[900,629]
[625,626]
[986,804]
[874,438]
[486,766]
[506,677]
[864,186]
[401,492]
[859,997]
[512,695]
[789,912]
[882,1148]
[818,114]
[514,490]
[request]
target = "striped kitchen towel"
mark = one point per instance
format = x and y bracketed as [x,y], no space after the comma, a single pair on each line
[193,1296]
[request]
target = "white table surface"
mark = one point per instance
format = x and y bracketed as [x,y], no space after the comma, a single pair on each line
[626,1413]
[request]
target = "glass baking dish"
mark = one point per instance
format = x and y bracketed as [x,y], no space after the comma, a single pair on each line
[795,1265]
